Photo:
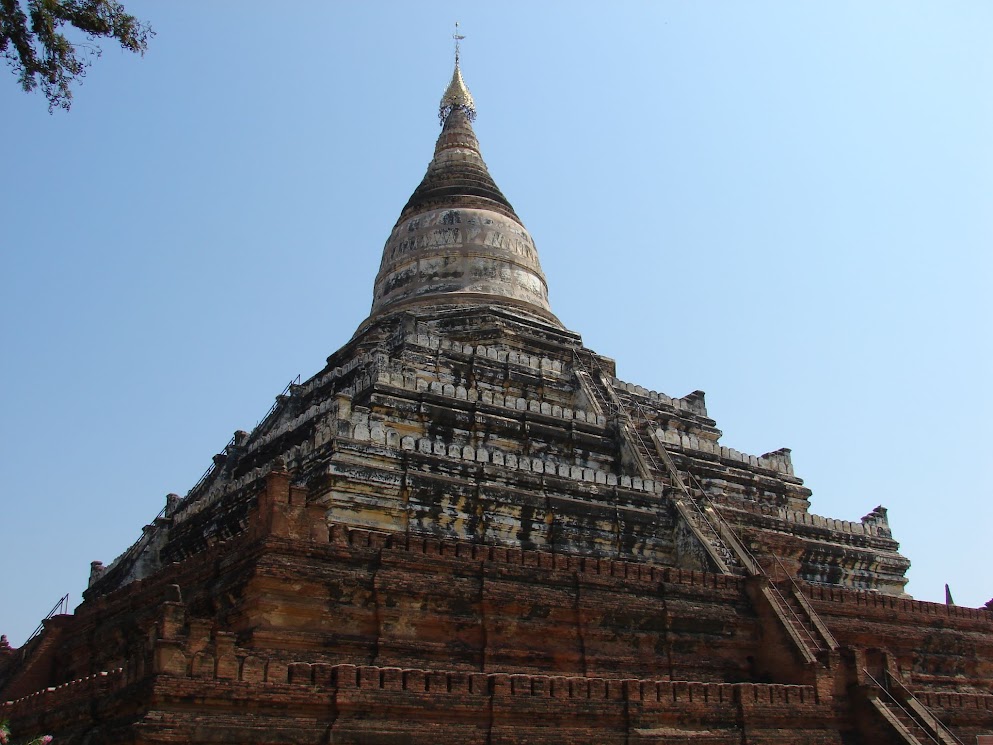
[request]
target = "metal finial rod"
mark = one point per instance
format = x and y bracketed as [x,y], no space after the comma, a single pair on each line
[458,37]
[456,96]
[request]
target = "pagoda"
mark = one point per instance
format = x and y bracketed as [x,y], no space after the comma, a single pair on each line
[467,529]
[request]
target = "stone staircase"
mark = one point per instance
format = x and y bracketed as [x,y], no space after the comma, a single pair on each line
[905,727]
[652,460]
[34,669]
[30,668]
[803,620]
[703,520]
[727,552]
[909,718]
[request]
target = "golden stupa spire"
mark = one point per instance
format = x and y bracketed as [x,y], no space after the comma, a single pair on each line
[457,95]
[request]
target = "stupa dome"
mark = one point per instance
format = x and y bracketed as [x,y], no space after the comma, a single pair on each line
[458,239]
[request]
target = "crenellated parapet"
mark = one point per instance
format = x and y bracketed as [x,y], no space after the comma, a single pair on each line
[502,419]
[466,528]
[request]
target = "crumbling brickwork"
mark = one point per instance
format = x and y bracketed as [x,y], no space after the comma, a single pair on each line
[466,529]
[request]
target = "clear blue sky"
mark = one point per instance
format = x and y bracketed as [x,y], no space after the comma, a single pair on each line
[786,205]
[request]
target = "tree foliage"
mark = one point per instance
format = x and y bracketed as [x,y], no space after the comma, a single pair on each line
[43,57]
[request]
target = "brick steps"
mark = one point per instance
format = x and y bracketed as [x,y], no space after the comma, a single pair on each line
[906,727]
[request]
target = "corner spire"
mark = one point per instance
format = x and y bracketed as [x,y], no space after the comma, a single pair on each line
[457,96]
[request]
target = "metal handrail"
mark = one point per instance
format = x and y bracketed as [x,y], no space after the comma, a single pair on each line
[618,409]
[736,552]
[210,469]
[735,546]
[134,545]
[759,570]
[801,598]
[755,568]
[825,635]
[60,608]
[901,707]
[910,694]
[275,405]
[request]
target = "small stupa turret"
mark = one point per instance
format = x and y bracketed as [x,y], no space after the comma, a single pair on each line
[458,240]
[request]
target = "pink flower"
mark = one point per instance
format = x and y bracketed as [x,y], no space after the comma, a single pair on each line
[46,739]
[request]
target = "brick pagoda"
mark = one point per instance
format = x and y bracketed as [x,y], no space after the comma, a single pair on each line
[466,529]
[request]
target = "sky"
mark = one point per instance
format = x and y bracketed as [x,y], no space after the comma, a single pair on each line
[786,205]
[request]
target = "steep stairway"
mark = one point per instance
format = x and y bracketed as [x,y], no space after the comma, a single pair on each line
[37,655]
[726,550]
[909,718]
[701,522]
[913,722]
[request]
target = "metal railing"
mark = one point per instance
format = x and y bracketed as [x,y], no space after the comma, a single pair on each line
[938,724]
[60,608]
[902,708]
[724,538]
[826,635]
[756,569]
[616,407]
[144,535]
[213,466]
[210,469]
[728,542]
[739,554]
[275,405]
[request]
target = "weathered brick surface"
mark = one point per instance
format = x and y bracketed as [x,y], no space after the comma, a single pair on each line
[457,532]
[382,705]
[539,648]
